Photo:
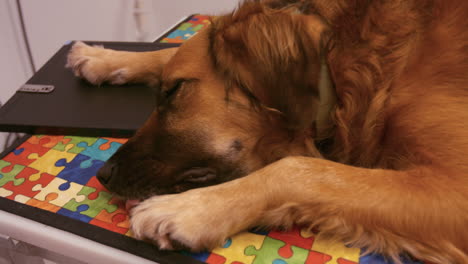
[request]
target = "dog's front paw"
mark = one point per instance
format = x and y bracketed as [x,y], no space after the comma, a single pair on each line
[96,64]
[199,219]
[171,221]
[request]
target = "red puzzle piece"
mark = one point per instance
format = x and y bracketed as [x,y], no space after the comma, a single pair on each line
[118,140]
[111,226]
[21,154]
[26,188]
[48,141]
[117,221]
[215,259]
[345,261]
[317,258]
[291,238]
[93,182]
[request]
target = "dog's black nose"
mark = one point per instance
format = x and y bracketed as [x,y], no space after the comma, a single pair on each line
[106,172]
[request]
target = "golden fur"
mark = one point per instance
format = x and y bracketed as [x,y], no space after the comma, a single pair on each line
[390,170]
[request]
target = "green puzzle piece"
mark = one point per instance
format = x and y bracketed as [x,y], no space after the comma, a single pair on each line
[197,28]
[269,253]
[6,177]
[74,142]
[185,26]
[94,206]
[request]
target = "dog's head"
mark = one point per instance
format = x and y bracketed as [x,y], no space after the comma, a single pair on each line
[252,88]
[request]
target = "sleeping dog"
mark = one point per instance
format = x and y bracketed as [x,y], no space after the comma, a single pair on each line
[349,116]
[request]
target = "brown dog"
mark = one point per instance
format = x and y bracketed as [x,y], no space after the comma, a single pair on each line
[351,116]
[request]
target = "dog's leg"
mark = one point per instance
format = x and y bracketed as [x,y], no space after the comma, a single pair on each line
[98,65]
[383,210]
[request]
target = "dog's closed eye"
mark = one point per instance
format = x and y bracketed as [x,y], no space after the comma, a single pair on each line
[174,88]
[198,175]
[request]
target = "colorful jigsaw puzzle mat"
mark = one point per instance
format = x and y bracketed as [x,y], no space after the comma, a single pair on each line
[186,29]
[57,174]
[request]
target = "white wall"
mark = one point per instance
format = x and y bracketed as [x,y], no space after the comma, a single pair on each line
[14,69]
[52,22]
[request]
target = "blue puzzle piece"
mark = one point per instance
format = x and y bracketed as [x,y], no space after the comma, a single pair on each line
[78,170]
[64,186]
[18,151]
[76,215]
[228,243]
[379,259]
[95,152]
[202,256]
[183,34]
[279,261]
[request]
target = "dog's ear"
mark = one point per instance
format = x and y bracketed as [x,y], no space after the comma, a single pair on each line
[278,58]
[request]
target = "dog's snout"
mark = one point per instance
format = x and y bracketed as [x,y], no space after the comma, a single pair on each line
[106,172]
